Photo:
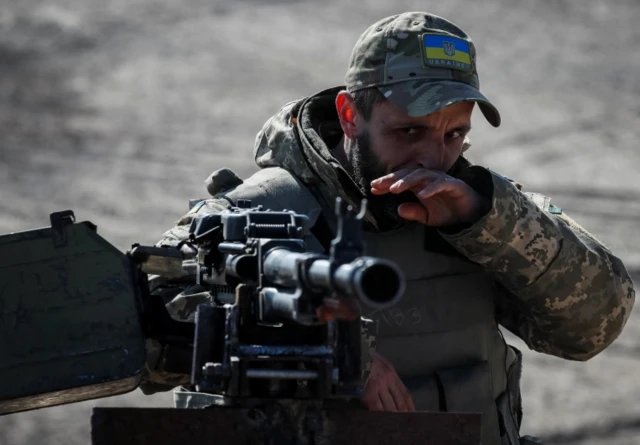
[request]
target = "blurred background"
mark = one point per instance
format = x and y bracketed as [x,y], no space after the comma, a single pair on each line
[119,110]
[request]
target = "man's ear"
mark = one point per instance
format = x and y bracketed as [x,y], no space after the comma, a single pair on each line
[348,114]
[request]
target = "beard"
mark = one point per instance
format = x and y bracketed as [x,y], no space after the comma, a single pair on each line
[366,168]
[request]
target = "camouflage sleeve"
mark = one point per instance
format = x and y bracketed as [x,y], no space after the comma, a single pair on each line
[566,294]
[369,334]
[181,300]
[180,231]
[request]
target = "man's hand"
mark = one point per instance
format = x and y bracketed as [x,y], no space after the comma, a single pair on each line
[444,200]
[384,390]
[338,308]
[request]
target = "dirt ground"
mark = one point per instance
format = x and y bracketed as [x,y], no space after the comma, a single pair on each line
[119,110]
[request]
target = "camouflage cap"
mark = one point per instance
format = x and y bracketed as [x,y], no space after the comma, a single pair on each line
[420,62]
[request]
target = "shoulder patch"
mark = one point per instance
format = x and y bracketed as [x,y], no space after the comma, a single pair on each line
[555,210]
[195,205]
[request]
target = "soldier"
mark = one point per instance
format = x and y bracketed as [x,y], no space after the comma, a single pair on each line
[477,251]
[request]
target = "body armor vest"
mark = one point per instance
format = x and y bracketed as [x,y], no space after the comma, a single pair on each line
[442,337]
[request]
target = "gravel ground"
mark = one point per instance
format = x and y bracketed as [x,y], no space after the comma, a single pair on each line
[119,110]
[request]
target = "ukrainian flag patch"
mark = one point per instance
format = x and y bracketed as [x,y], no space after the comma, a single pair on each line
[195,207]
[448,52]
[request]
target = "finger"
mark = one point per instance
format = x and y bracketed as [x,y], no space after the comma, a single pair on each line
[388,403]
[347,312]
[373,402]
[325,314]
[396,387]
[402,397]
[418,178]
[413,211]
[378,405]
[379,191]
[399,398]
[386,180]
[345,307]
[384,360]
[439,186]
[342,309]
[411,406]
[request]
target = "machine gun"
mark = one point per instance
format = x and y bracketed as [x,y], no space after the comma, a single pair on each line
[265,338]
[75,314]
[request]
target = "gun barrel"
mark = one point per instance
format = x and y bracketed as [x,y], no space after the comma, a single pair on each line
[378,283]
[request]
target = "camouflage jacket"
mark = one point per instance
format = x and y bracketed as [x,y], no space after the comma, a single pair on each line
[563,292]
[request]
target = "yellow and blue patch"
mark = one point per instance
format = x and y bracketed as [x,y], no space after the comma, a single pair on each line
[448,52]
[195,206]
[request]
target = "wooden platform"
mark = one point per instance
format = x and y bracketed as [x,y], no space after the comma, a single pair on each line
[235,426]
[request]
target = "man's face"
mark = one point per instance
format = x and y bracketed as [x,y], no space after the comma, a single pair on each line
[392,140]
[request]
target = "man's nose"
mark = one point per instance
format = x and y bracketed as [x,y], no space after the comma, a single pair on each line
[431,155]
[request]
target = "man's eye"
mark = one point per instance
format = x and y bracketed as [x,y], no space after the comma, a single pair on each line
[455,134]
[409,130]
